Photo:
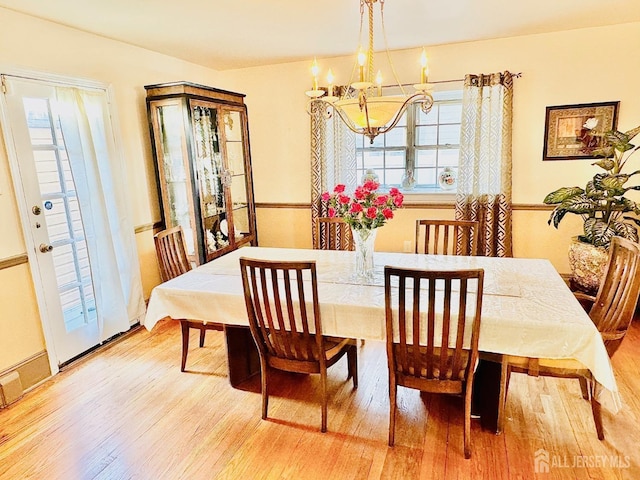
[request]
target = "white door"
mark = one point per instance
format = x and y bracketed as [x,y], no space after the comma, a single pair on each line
[52,220]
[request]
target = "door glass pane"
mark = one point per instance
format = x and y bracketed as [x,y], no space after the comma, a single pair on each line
[57,221]
[47,170]
[62,214]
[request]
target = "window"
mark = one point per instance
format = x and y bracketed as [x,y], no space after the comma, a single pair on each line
[424,144]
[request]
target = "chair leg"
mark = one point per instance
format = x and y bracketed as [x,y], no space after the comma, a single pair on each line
[184,326]
[597,413]
[467,420]
[352,359]
[393,392]
[502,401]
[264,373]
[202,332]
[584,387]
[323,380]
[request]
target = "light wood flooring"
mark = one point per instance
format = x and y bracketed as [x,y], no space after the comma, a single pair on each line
[126,412]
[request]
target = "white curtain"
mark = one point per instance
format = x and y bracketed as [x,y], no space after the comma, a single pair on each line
[484,183]
[98,172]
[333,158]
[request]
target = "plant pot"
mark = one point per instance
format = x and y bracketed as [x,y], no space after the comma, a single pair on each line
[587,265]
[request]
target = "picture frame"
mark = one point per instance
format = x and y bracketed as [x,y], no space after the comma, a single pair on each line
[564,128]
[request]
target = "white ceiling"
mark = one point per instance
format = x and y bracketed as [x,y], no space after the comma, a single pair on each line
[226,34]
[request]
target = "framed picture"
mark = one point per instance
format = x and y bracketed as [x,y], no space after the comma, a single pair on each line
[564,128]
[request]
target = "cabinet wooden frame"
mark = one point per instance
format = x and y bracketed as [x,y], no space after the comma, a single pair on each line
[224,107]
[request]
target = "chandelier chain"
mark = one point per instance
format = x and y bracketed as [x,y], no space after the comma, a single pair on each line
[370,53]
[357,104]
[386,47]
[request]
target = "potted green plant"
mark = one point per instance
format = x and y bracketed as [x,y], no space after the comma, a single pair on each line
[602,203]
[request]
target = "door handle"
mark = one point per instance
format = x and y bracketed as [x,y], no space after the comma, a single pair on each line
[44,248]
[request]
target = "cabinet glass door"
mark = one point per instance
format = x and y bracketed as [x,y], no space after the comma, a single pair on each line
[173,168]
[211,178]
[235,148]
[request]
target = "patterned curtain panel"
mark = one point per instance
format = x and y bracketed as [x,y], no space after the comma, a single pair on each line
[484,179]
[333,159]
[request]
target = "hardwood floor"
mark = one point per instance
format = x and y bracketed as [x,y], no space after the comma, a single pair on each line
[127,412]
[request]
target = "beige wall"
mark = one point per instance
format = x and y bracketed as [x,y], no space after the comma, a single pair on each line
[577,66]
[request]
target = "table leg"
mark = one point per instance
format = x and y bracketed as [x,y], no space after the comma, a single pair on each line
[486,393]
[242,356]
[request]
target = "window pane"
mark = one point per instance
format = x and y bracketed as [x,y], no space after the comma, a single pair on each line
[430,118]
[451,113]
[393,176]
[373,159]
[397,137]
[426,158]
[425,176]
[403,120]
[448,157]
[425,142]
[427,135]
[395,159]
[378,142]
[449,135]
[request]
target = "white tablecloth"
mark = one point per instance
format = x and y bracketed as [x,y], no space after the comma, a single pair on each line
[528,310]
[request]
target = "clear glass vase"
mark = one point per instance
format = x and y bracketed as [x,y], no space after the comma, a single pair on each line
[363,240]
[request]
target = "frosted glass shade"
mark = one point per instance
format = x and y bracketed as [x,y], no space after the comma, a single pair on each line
[381,110]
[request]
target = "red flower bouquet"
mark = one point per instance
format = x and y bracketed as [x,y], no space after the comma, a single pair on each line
[366,208]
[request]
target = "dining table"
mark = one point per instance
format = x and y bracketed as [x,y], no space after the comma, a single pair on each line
[528,309]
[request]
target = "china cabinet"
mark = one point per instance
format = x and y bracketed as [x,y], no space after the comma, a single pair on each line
[200,142]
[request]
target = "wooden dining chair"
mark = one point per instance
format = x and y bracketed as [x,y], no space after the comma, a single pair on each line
[613,306]
[447,237]
[445,308]
[173,261]
[612,312]
[284,319]
[333,233]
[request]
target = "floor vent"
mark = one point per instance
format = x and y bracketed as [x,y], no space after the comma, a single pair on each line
[10,389]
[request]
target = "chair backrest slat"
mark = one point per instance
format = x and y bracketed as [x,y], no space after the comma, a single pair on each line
[171,253]
[617,296]
[281,321]
[415,329]
[446,237]
[462,311]
[333,233]
[439,303]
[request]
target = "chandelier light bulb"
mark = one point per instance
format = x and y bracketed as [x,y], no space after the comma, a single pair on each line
[362,59]
[424,71]
[330,79]
[379,82]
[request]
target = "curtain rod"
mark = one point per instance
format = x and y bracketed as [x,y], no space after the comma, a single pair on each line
[514,75]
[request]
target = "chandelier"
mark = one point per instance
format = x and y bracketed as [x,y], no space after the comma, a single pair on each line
[361,105]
